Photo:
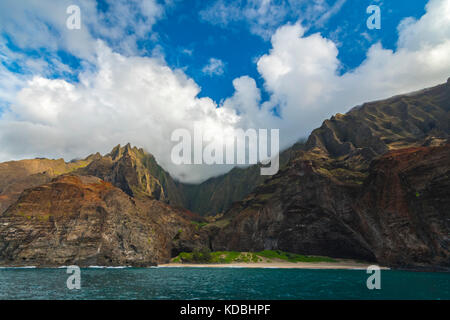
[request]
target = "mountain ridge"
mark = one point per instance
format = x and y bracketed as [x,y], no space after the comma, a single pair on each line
[332,196]
[311,205]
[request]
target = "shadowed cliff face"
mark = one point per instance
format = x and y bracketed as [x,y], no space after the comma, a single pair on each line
[351,194]
[398,217]
[370,130]
[404,207]
[298,210]
[85,221]
[216,195]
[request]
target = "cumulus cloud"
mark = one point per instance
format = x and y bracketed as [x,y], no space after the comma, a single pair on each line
[38,27]
[214,67]
[9,85]
[141,100]
[36,24]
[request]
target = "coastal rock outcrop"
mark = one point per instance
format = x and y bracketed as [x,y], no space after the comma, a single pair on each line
[398,217]
[404,208]
[84,220]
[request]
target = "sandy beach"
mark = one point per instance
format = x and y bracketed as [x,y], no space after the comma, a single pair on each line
[342,264]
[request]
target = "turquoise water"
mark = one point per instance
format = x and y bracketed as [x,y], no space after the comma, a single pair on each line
[220,283]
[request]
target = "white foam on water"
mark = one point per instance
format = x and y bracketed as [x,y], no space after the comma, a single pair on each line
[26,267]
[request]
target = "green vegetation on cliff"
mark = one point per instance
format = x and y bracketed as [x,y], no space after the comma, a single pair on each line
[292,257]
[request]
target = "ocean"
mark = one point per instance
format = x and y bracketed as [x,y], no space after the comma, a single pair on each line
[219,283]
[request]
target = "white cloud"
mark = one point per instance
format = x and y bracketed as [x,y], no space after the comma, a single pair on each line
[214,67]
[39,26]
[265,16]
[10,83]
[188,52]
[331,11]
[36,24]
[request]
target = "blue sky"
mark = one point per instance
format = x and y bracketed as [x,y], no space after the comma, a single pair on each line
[238,48]
[137,70]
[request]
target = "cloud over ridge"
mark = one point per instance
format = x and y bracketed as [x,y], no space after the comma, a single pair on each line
[131,98]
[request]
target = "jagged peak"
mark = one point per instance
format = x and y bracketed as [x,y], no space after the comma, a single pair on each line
[115,152]
[118,152]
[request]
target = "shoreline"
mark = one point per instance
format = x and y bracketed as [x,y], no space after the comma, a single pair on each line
[344,265]
[341,264]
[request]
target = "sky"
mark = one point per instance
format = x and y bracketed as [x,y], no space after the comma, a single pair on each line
[137,70]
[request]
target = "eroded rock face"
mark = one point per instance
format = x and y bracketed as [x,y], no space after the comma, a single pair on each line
[216,195]
[84,220]
[404,207]
[124,168]
[299,210]
[370,130]
[372,184]
[398,217]
[16,176]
